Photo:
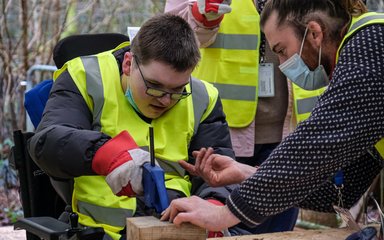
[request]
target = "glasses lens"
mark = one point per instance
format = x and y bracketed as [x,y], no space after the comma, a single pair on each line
[155,92]
[160,93]
[177,96]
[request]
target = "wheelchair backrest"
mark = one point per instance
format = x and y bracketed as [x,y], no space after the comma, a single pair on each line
[35,184]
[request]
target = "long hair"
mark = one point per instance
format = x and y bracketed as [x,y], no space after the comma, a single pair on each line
[332,14]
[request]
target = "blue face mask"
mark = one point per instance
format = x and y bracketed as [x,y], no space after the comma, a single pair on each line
[129,97]
[298,72]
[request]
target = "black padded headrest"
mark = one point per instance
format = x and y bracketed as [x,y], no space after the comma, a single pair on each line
[85,44]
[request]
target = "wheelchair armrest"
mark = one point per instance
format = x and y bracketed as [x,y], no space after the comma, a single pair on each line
[49,228]
[45,227]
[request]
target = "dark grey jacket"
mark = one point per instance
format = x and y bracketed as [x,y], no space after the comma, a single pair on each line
[64,144]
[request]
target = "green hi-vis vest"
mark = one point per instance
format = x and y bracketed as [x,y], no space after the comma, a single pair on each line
[98,79]
[356,24]
[231,63]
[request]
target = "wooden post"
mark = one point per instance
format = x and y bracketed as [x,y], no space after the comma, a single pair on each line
[151,228]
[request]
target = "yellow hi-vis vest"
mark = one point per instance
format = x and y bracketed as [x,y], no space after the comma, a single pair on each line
[356,24]
[98,79]
[304,101]
[231,63]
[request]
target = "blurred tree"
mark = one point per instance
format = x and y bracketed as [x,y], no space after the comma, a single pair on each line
[29,29]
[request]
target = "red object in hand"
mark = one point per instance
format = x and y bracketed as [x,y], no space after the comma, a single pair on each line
[210,12]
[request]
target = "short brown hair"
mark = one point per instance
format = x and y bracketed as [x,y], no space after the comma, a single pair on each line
[169,39]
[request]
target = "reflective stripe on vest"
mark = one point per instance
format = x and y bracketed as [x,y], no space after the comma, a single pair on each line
[304,101]
[236,92]
[93,199]
[93,72]
[356,24]
[113,216]
[235,41]
[231,63]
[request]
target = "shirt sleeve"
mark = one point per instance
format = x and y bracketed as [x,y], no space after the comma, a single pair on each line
[341,132]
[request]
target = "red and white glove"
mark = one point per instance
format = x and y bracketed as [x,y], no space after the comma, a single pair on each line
[121,161]
[210,12]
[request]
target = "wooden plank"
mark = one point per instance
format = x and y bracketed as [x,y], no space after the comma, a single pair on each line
[151,228]
[325,234]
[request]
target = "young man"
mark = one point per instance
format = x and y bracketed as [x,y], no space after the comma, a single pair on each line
[100,109]
[314,40]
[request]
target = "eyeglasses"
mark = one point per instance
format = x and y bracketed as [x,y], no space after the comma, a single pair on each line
[159,93]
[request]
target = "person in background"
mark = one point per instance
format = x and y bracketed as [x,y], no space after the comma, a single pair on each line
[95,125]
[375,5]
[239,62]
[316,41]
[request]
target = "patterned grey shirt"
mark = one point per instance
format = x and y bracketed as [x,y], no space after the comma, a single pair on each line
[340,134]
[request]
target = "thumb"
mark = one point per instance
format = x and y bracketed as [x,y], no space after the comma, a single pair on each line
[223,9]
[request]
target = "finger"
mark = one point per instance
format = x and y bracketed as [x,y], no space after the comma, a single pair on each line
[198,158]
[188,217]
[203,160]
[189,167]
[209,173]
[165,215]
[182,218]
[177,206]
[194,153]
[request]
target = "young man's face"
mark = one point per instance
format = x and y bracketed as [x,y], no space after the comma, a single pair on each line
[155,75]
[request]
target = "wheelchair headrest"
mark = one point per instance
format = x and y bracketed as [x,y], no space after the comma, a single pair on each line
[85,44]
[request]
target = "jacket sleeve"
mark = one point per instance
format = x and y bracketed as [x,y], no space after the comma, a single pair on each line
[64,143]
[182,8]
[212,132]
[340,134]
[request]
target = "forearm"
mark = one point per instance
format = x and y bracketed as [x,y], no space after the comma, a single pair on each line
[229,217]
[64,143]
[246,170]
[65,152]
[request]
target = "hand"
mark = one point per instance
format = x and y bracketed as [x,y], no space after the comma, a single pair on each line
[199,212]
[121,161]
[217,170]
[210,12]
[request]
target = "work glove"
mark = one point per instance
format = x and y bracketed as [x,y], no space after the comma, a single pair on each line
[121,161]
[210,12]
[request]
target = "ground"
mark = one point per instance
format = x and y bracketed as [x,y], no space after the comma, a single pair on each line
[10,210]
[7,233]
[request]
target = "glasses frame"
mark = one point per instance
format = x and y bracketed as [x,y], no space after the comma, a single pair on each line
[159,93]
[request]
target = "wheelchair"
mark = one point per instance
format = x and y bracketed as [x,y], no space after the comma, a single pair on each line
[46,201]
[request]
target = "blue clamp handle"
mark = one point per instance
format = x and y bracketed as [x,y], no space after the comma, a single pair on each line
[339,178]
[155,193]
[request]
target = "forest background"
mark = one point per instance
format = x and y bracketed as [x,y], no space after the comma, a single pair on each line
[29,30]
